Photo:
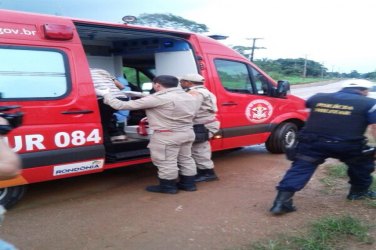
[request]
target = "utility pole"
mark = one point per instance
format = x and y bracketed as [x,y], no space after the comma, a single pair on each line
[322,70]
[254,47]
[305,67]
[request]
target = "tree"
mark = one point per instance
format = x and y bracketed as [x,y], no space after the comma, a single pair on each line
[370,75]
[292,67]
[242,50]
[170,21]
[354,74]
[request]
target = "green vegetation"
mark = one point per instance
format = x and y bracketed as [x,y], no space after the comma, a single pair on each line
[296,71]
[135,77]
[170,21]
[293,67]
[334,173]
[303,68]
[372,203]
[337,173]
[325,234]
[296,79]
[328,233]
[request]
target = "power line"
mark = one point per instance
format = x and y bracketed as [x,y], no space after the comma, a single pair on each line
[254,47]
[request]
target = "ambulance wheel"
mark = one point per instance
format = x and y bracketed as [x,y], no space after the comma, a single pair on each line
[9,196]
[284,136]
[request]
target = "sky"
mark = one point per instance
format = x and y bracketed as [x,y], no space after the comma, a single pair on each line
[335,33]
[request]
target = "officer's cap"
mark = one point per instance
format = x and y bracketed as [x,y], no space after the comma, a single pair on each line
[193,78]
[357,83]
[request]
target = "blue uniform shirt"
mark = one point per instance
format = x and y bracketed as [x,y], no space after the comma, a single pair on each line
[342,115]
[122,115]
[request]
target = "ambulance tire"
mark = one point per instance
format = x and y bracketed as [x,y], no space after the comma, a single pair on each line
[9,196]
[282,137]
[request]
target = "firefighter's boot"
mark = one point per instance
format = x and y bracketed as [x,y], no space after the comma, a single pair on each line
[187,183]
[283,203]
[360,194]
[165,186]
[205,175]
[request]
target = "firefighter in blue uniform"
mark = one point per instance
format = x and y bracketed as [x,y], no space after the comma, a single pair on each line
[334,129]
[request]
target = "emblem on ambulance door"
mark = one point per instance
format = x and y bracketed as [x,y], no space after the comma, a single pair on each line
[258,111]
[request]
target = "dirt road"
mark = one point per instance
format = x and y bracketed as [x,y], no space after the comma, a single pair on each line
[111,210]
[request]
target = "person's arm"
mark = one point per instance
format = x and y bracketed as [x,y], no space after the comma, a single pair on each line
[10,163]
[118,84]
[142,103]
[372,129]
[371,117]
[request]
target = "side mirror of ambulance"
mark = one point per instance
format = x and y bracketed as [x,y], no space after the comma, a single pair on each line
[283,87]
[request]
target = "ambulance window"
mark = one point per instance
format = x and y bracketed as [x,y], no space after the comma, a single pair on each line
[32,73]
[136,78]
[261,83]
[234,76]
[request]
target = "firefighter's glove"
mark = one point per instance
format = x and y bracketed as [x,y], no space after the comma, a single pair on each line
[102,91]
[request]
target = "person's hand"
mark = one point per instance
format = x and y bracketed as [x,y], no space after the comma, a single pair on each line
[102,92]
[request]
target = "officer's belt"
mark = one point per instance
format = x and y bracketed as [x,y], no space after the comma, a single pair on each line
[168,130]
[328,140]
[314,138]
[214,120]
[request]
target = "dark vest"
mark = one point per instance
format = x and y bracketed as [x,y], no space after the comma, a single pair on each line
[341,115]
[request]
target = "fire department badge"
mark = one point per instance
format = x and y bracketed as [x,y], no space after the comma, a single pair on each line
[258,111]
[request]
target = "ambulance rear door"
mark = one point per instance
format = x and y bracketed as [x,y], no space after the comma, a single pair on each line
[43,69]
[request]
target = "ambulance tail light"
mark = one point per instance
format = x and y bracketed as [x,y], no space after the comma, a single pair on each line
[217,136]
[58,31]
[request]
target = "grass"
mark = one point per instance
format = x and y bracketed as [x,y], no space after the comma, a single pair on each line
[296,79]
[372,203]
[325,234]
[336,173]
[333,174]
[299,80]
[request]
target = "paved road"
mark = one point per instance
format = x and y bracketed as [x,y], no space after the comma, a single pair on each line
[305,92]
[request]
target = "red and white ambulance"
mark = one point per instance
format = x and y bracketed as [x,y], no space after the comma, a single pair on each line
[44,69]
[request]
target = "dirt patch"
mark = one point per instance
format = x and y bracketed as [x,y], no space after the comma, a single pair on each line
[112,210]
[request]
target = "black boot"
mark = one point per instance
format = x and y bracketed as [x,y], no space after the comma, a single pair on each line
[283,203]
[360,194]
[187,183]
[205,175]
[165,186]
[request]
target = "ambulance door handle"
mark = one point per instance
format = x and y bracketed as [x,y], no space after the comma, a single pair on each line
[229,104]
[77,112]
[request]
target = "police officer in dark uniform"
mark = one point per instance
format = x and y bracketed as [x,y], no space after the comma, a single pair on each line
[334,129]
